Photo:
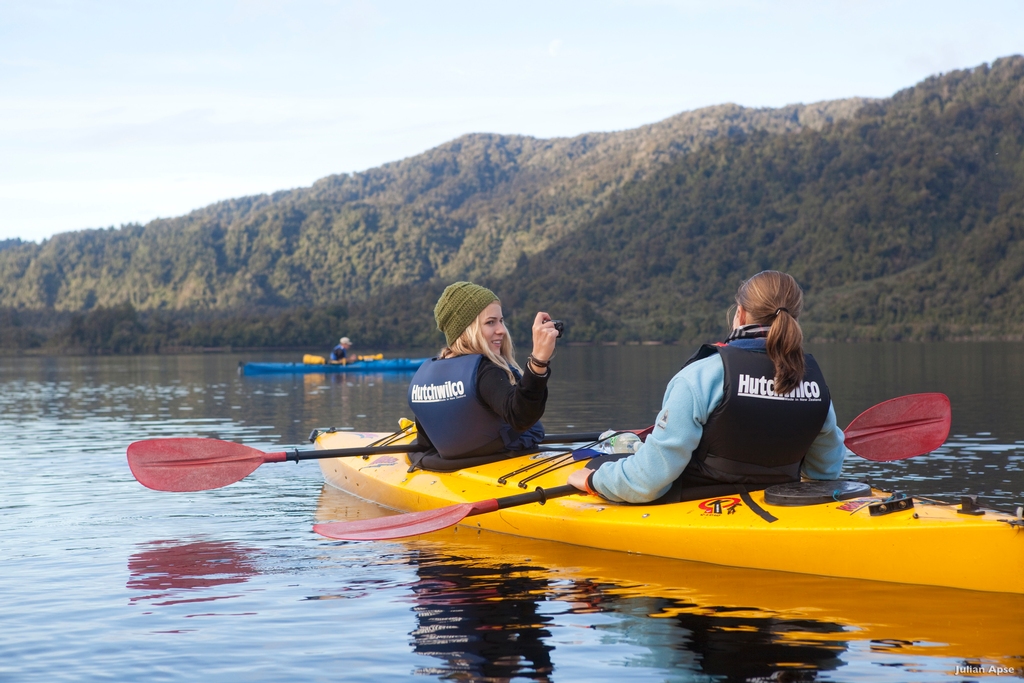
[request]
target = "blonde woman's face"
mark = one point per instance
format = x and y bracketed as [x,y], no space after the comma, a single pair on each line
[492,326]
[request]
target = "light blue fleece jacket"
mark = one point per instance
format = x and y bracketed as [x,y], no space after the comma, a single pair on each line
[692,395]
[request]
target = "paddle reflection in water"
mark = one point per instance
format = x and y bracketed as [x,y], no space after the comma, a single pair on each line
[168,571]
[671,618]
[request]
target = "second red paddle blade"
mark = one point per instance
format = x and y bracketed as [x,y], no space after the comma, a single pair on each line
[396,526]
[900,428]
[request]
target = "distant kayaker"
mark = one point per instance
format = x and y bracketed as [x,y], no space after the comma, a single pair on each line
[340,352]
[474,400]
[744,414]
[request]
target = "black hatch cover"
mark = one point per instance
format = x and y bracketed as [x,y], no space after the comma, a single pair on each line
[814,492]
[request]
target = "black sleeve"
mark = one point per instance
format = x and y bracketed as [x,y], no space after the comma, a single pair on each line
[519,405]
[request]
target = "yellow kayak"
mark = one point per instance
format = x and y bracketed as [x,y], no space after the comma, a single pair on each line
[871,536]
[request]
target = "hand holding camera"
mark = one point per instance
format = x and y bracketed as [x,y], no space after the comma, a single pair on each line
[545,332]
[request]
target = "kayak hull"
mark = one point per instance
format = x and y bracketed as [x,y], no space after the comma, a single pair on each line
[385,365]
[908,619]
[930,544]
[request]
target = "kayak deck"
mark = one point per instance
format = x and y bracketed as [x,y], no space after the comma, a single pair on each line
[929,544]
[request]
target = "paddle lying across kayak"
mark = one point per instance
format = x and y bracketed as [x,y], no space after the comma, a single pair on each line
[841,529]
[198,464]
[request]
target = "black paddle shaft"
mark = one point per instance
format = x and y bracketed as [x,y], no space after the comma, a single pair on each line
[296,455]
[538,495]
[569,438]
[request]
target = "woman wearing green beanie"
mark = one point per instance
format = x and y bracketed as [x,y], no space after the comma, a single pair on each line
[473,401]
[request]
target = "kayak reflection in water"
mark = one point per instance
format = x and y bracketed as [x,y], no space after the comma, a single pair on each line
[473,403]
[743,414]
[496,621]
[482,621]
[695,641]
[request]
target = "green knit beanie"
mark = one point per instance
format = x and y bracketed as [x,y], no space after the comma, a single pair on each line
[458,307]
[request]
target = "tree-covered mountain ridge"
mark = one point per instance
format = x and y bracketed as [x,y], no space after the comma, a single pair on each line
[902,218]
[903,222]
[475,206]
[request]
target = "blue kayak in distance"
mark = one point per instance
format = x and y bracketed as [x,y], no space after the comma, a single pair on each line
[383,365]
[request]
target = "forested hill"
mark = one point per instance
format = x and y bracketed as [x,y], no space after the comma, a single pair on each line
[902,218]
[905,222]
[476,205]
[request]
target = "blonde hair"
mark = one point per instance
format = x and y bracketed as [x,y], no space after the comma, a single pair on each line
[774,299]
[472,341]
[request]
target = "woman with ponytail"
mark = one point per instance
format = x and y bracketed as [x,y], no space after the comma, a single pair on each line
[742,414]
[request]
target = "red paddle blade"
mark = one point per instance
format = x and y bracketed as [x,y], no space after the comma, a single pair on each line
[900,428]
[192,464]
[401,526]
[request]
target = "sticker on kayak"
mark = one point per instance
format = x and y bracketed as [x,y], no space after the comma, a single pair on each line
[715,506]
[382,461]
[856,503]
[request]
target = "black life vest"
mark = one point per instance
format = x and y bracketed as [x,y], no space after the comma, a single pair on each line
[443,397]
[756,436]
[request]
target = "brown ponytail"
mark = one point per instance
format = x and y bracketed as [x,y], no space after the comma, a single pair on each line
[774,299]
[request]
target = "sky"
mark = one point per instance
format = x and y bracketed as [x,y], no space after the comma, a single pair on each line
[122,111]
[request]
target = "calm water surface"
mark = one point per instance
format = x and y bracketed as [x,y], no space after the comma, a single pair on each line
[103,579]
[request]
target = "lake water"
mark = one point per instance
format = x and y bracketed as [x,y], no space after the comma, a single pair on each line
[103,579]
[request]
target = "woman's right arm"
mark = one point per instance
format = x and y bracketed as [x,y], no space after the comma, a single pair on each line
[544,337]
[519,405]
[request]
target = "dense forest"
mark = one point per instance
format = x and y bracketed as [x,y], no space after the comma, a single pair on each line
[476,205]
[904,222]
[900,217]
